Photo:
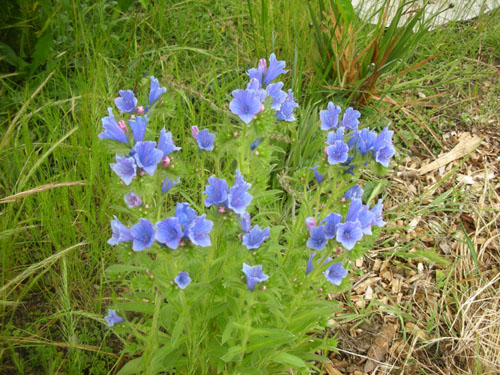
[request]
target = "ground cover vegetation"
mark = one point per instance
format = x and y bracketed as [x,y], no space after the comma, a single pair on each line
[424,298]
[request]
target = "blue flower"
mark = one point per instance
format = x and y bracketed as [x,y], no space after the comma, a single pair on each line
[185,214]
[112,318]
[111,129]
[310,263]
[143,234]
[120,233]
[350,119]
[255,238]
[155,91]
[349,233]
[354,209]
[132,200]
[275,69]
[335,136]
[198,231]
[255,85]
[377,214]
[365,218]
[125,168]
[238,198]
[354,192]
[286,111]
[169,232]
[335,273]
[330,118]
[278,96]
[182,280]
[126,102]
[337,153]
[205,140]
[317,175]
[245,222]
[365,141]
[168,183]
[147,156]
[216,192]
[138,127]
[246,104]
[330,225]
[317,239]
[166,144]
[254,275]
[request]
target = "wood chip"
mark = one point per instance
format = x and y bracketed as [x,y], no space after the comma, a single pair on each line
[331,370]
[380,346]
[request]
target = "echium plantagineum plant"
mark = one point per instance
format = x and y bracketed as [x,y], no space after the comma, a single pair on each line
[213,278]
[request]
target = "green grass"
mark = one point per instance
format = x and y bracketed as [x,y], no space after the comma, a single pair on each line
[53,247]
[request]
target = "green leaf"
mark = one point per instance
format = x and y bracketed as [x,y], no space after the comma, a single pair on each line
[178,328]
[10,56]
[41,52]
[124,4]
[140,307]
[122,268]
[133,367]
[346,10]
[233,352]
[227,331]
[289,359]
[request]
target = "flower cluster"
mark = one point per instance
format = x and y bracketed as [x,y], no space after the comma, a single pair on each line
[250,102]
[236,198]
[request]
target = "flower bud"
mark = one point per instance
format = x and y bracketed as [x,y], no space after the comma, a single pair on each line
[140,110]
[194,131]
[166,161]
[263,287]
[222,209]
[123,126]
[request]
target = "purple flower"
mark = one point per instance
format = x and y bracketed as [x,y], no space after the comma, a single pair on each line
[286,111]
[245,222]
[318,176]
[205,140]
[255,238]
[275,69]
[125,168]
[182,279]
[246,104]
[169,232]
[216,192]
[166,144]
[198,231]
[365,218]
[330,224]
[155,91]
[335,273]
[377,214]
[254,275]
[168,183]
[255,144]
[185,214]
[365,140]
[147,156]
[126,102]
[138,127]
[255,85]
[354,209]
[238,198]
[132,200]
[337,153]
[310,263]
[349,233]
[317,239]
[330,118]
[335,136]
[111,129]
[350,119]
[120,233]
[278,96]
[354,192]
[143,234]
[112,319]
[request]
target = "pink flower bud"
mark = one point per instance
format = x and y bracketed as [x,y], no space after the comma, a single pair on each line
[325,151]
[342,199]
[142,173]
[132,117]
[263,287]
[261,108]
[240,235]
[222,209]
[263,65]
[194,131]
[320,290]
[339,250]
[310,222]
[166,161]
[294,279]
[256,152]
[182,243]
[123,126]
[140,110]
[235,134]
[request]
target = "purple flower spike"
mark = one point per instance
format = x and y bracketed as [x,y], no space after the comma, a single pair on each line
[350,119]
[182,280]
[275,69]
[335,273]
[147,156]
[337,153]
[126,102]
[246,104]
[112,318]
[286,111]
[245,222]
[185,214]
[255,238]
[317,239]
[166,144]
[125,168]
[111,129]
[349,233]
[354,193]
[143,234]
[169,232]
[120,233]
[132,200]
[330,118]
[198,231]
[155,91]
[205,140]
[138,127]
[216,192]
[278,95]
[377,212]
[238,198]
[330,224]
[168,183]
[254,275]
